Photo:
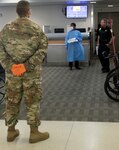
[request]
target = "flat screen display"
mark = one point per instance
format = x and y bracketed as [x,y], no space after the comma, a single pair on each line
[77,11]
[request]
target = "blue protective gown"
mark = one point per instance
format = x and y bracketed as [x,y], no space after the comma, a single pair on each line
[75,50]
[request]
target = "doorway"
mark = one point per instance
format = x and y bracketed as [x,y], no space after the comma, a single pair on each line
[115,17]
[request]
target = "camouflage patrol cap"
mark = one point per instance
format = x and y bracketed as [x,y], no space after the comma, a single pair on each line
[23,8]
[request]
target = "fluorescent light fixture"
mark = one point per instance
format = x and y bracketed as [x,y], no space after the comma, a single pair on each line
[93,2]
[76,1]
[9,1]
[110,5]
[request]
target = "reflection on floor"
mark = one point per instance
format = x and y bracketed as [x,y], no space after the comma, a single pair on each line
[66,135]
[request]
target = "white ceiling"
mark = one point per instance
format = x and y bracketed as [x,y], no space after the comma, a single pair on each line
[43,2]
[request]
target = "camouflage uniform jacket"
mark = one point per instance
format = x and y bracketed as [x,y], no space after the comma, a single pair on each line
[22,41]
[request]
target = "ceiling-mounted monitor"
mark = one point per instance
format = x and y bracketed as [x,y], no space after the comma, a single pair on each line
[77,11]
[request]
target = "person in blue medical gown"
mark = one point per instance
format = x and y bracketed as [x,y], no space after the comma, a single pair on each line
[75,50]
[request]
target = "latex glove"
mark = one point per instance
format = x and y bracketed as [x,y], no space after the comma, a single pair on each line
[18,69]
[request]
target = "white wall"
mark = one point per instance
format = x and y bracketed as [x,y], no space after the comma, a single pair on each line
[45,15]
[52,15]
[6,14]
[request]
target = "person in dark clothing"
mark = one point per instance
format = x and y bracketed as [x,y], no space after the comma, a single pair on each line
[104,41]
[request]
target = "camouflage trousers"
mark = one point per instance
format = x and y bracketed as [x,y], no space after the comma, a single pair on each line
[27,88]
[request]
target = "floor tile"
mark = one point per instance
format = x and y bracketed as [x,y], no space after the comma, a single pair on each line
[94,136]
[59,135]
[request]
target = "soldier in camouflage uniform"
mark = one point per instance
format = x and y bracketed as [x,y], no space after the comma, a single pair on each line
[23,42]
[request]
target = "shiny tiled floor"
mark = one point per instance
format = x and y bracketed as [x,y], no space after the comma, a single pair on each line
[66,135]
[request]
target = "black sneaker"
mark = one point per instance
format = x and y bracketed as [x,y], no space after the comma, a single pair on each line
[71,68]
[106,71]
[78,68]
